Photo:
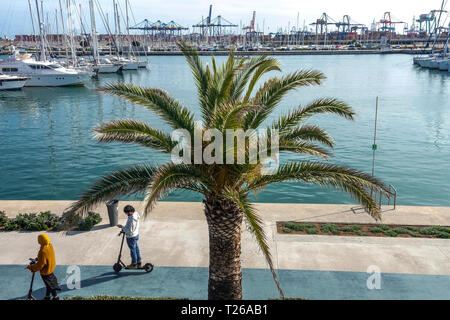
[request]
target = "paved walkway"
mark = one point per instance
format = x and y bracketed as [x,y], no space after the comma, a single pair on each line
[175,238]
[191,283]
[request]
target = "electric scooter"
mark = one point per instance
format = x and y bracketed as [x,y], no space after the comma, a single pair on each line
[119,265]
[30,292]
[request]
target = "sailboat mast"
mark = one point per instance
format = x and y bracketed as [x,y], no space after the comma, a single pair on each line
[93,32]
[32,21]
[41,33]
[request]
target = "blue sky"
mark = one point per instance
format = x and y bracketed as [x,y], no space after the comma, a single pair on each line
[273,14]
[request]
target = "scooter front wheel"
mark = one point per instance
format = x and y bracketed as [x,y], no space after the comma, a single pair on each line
[148,267]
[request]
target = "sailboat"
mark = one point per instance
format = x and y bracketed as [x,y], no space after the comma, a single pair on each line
[40,71]
[100,65]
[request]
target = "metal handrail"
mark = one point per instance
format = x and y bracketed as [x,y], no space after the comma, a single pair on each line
[390,193]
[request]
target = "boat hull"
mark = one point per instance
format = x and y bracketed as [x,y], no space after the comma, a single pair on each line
[57,80]
[130,66]
[107,68]
[443,65]
[12,84]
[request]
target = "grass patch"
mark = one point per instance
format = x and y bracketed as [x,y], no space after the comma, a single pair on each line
[363,230]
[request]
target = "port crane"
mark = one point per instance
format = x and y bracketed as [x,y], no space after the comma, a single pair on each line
[387,24]
[346,26]
[213,27]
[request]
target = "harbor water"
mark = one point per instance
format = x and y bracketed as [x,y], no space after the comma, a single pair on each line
[47,151]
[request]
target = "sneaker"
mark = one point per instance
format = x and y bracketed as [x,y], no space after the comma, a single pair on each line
[55,298]
[139,265]
[131,266]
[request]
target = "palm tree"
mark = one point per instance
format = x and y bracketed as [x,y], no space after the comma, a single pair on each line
[228,99]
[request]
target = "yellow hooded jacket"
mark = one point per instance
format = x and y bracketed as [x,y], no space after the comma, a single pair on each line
[46,257]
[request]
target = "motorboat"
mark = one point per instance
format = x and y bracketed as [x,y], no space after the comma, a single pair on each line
[43,73]
[8,82]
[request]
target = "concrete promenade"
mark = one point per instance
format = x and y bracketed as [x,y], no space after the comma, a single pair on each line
[175,236]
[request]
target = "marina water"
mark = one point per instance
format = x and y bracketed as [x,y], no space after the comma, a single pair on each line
[47,151]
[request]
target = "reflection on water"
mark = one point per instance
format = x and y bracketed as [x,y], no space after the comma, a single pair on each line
[47,150]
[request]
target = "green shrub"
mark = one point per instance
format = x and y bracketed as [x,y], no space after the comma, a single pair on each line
[330,228]
[287,230]
[384,227]
[400,230]
[443,235]
[415,229]
[89,222]
[3,218]
[414,234]
[351,229]
[439,228]
[361,234]
[428,231]
[376,230]
[294,226]
[312,230]
[390,233]
[32,222]
[309,225]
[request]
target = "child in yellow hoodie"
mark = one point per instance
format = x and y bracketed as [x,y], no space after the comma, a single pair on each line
[46,265]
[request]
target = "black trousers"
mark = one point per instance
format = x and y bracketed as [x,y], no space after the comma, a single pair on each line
[51,284]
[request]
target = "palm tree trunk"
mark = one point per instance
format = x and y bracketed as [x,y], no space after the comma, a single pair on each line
[224,224]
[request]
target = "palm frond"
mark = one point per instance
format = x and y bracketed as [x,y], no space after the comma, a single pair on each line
[267,65]
[319,106]
[157,100]
[132,131]
[308,133]
[351,181]
[170,177]
[245,69]
[201,75]
[302,147]
[124,181]
[274,89]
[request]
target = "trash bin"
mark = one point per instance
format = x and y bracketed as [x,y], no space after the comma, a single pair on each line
[113,212]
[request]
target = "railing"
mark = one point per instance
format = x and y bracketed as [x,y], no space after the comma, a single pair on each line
[391,194]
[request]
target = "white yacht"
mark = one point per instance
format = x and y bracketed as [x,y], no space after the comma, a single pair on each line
[12,82]
[105,65]
[127,64]
[43,73]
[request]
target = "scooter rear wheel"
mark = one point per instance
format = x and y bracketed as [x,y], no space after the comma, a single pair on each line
[148,267]
[117,267]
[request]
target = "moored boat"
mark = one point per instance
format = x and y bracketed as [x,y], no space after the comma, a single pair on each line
[8,82]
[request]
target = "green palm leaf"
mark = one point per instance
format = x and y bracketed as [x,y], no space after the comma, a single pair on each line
[124,181]
[132,131]
[156,100]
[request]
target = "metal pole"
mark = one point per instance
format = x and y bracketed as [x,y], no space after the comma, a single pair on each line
[374,146]
[32,21]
